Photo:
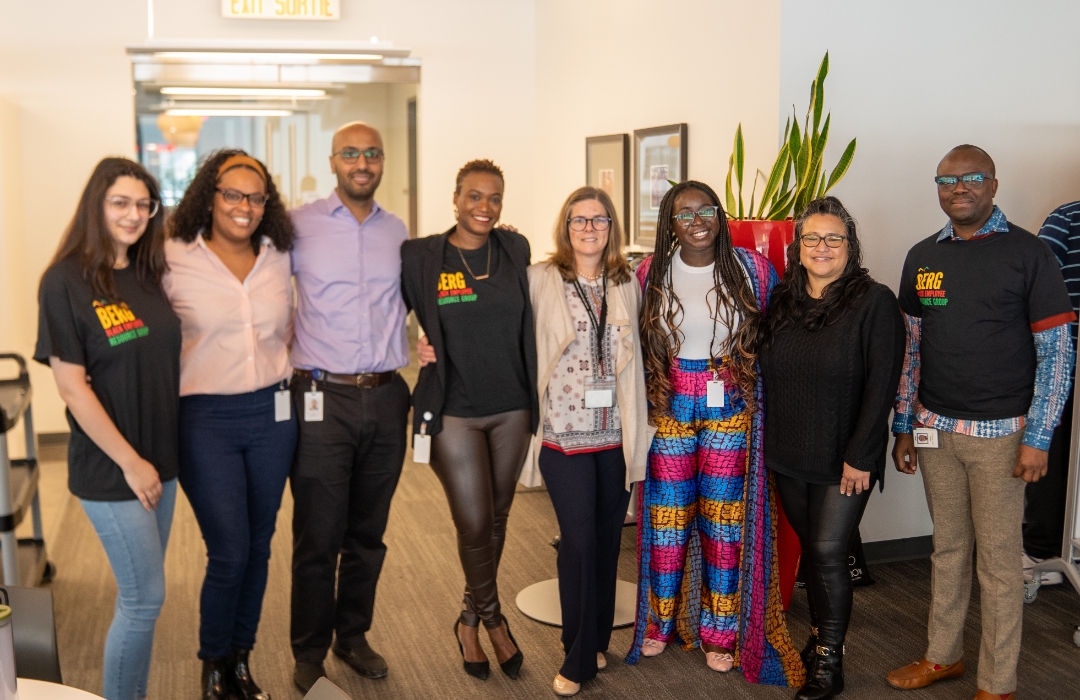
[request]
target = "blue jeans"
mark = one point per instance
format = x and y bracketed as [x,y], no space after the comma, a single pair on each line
[234,461]
[134,542]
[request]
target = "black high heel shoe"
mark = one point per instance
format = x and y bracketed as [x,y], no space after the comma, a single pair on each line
[512,666]
[476,669]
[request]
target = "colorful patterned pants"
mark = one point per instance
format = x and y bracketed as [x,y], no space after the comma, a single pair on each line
[694,497]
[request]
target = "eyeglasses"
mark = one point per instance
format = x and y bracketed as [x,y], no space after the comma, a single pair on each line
[351,155]
[256,199]
[972,181]
[833,240]
[599,223]
[706,214]
[122,205]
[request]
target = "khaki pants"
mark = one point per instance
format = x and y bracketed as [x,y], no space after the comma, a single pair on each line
[974,498]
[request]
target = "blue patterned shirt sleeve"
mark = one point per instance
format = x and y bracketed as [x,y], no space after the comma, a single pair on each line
[1053,377]
[909,377]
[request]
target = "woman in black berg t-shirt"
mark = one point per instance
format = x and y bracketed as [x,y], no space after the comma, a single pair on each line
[470,292]
[831,353]
[113,342]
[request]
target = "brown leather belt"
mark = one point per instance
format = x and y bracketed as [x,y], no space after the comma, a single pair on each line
[368,380]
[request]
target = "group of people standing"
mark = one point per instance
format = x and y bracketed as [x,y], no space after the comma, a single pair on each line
[183,356]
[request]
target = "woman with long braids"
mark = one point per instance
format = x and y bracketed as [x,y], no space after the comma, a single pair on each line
[831,354]
[707,516]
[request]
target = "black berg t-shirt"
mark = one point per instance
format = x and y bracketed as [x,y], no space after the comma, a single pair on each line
[482,324]
[980,301]
[131,351]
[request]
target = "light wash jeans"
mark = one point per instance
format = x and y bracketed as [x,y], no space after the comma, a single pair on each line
[134,541]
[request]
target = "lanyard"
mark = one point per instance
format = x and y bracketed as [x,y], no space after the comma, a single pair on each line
[598,324]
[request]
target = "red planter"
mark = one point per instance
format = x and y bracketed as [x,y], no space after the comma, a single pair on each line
[770,238]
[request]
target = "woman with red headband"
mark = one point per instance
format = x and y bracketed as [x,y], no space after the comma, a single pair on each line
[228,281]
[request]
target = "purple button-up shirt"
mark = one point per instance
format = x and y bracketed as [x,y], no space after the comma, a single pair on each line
[350,316]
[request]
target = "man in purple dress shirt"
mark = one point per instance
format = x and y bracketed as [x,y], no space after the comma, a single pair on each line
[351,403]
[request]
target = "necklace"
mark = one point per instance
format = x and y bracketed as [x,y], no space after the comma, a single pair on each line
[487,273]
[592,278]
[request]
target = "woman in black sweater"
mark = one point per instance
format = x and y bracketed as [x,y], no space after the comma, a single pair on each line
[831,352]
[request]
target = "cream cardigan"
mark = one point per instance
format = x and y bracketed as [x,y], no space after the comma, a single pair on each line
[555,332]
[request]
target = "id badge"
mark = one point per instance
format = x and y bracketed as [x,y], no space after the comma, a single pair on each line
[421,442]
[421,448]
[599,392]
[313,406]
[925,437]
[282,405]
[714,393]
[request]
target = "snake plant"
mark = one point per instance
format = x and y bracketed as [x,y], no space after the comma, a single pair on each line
[798,175]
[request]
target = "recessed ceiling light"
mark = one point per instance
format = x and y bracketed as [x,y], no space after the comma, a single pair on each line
[263,57]
[243,92]
[228,112]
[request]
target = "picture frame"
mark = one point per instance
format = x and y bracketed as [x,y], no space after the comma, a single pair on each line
[607,167]
[660,155]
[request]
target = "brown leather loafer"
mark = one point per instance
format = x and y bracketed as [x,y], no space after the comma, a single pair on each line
[923,673]
[983,695]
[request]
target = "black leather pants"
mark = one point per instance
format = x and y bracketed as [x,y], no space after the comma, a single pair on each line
[825,521]
[478,461]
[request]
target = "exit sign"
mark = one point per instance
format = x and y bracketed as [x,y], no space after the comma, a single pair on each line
[281,9]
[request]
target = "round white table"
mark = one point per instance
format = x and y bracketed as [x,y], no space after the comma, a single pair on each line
[30,689]
[540,602]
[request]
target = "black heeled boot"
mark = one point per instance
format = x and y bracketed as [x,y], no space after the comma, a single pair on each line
[827,680]
[239,677]
[215,684]
[808,653]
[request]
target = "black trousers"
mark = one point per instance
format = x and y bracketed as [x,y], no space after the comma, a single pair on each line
[345,472]
[1044,509]
[825,521]
[478,461]
[590,499]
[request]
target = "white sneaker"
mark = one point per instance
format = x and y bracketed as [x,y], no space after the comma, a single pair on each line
[1046,578]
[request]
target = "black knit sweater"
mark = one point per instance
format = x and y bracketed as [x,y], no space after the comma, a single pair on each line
[828,393]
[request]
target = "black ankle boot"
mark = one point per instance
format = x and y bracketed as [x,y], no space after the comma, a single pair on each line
[807,653]
[239,677]
[214,679]
[827,679]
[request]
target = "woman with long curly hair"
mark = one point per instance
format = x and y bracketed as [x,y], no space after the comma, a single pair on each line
[832,349]
[707,516]
[229,282]
[113,343]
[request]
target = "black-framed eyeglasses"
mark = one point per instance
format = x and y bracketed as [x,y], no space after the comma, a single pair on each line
[833,240]
[706,214]
[971,180]
[351,155]
[580,223]
[146,208]
[255,199]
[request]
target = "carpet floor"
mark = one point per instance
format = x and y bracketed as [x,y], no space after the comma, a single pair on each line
[419,594]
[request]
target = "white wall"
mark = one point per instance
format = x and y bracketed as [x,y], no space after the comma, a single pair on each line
[911,80]
[70,80]
[607,67]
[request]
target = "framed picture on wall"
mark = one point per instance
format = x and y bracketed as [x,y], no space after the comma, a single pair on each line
[659,158]
[607,167]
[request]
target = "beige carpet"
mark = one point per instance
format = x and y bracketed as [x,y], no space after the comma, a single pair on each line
[418,600]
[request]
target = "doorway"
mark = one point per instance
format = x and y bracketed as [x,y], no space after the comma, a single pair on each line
[282,107]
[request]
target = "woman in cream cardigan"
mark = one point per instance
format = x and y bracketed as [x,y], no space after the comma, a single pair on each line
[593,436]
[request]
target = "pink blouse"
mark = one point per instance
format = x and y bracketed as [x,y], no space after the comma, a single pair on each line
[235,334]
